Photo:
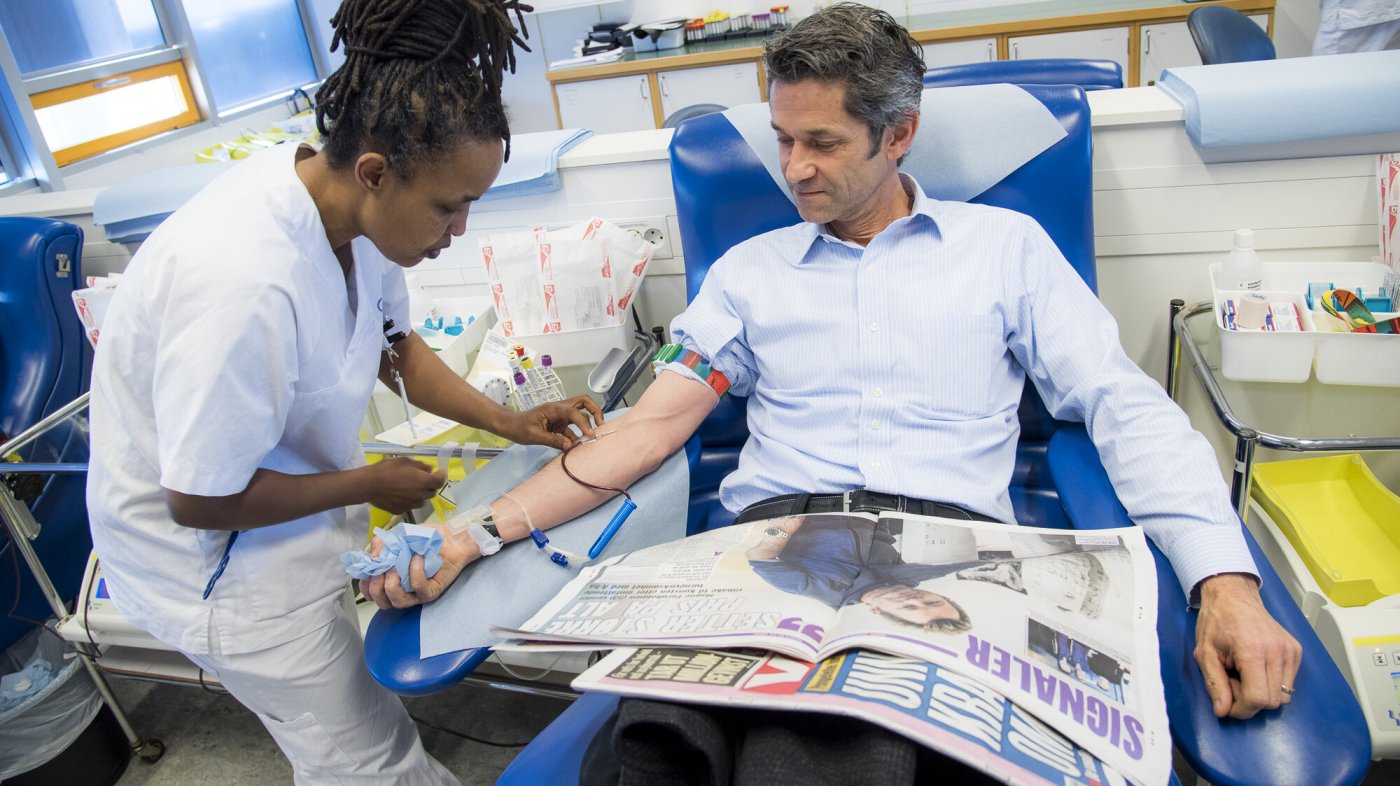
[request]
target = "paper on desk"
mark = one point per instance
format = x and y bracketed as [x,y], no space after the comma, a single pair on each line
[1389,177]
[508,588]
[426,426]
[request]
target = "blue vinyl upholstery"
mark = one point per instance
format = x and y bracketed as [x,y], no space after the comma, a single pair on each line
[723,196]
[45,362]
[1088,74]
[1224,35]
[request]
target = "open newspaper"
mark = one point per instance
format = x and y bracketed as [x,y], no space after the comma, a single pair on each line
[1060,622]
[959,716]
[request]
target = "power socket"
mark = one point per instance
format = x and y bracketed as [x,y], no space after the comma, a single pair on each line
[653,230]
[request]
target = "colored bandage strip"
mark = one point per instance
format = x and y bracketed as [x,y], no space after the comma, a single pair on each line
[675,353]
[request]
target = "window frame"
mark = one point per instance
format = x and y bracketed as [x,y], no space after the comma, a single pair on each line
[27,157]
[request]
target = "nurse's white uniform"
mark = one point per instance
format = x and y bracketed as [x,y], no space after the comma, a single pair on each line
[236,342]
[1357,26]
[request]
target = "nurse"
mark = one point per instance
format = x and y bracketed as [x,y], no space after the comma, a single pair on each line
[236,365]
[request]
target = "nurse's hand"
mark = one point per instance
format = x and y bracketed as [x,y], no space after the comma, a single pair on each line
[386,590]
[397,485]
[548,424]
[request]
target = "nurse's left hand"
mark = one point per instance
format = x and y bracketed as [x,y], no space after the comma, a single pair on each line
[386,590]
[548,424]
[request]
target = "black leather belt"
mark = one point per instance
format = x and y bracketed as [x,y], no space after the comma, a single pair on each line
[858,501]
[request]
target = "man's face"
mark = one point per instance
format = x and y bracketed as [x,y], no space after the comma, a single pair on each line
[410,220]
[911,604]
[825,152]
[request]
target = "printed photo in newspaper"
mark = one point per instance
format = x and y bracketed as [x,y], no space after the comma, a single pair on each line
[1061,622]
[955,715]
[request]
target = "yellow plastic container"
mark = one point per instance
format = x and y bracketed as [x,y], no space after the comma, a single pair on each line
[445,509]
[1344,524]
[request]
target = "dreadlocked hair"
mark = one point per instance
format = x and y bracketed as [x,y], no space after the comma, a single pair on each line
[419,77]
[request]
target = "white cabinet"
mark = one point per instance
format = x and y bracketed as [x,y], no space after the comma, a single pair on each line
[1109,43]
[619,103]
[977,50]
[1169,45]
[726,85]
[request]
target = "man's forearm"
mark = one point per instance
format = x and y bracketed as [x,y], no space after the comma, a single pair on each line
[628,448]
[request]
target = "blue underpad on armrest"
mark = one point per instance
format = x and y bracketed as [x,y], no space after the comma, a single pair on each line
[1301,107]
[509,587]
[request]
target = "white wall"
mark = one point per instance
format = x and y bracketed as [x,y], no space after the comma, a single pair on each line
[1295,25]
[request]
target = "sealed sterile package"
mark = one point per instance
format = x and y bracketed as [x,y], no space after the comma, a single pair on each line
[577,281]
[512,272]
[628,255]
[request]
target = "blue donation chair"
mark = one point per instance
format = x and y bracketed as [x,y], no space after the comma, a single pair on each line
[45,363]
[723,196]
[1088,74]
[1224,35]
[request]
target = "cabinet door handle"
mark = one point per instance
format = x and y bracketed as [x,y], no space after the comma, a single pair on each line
[661,78]
[646,94]
[991,51]
[1015,51]
[1147,42]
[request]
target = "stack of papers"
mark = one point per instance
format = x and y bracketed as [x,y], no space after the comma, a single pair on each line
[533,167]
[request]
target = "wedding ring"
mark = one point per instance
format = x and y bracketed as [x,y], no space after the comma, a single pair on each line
[1286,689]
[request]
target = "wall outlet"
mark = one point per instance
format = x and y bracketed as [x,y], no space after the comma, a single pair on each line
[653,230]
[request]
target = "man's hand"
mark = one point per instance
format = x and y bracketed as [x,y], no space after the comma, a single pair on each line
[548,424]
[386,590]
[401,484]
[1235,632]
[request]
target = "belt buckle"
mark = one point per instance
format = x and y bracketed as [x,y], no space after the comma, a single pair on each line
[846,501]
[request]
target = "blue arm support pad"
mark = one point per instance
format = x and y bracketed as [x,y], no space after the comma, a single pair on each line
[1318,738]
[391,652]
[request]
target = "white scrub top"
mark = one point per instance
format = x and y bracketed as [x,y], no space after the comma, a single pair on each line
[234,342]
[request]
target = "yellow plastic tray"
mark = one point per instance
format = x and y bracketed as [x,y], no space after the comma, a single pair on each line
[1342,521]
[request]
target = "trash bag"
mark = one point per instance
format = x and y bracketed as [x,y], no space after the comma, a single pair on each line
[46,702]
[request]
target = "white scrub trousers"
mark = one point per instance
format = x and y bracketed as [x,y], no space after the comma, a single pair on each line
[331,719]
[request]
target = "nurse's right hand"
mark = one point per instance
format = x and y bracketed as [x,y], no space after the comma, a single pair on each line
[397,485]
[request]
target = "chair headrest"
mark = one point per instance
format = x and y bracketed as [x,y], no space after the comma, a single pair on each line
[969,138]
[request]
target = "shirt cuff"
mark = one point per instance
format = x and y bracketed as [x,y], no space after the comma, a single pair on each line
[1209,551]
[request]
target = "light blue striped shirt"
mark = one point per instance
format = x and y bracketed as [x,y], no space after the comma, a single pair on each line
[898,367]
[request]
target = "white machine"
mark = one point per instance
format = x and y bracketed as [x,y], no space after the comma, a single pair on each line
[1363,640]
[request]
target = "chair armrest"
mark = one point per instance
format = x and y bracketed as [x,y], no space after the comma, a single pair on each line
[391,653]
[556,754]
[1319,738]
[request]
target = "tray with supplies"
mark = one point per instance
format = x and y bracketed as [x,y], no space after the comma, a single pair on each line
[1283,333]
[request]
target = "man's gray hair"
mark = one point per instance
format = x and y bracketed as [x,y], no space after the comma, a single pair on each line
[861,47]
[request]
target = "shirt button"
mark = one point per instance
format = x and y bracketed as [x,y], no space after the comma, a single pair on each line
[874,425]
[873,268]
[877,392]
[874,465]
[874,327]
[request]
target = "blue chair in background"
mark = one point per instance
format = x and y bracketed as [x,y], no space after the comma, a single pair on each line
[1224,35]
[724,196]
[1088,74]
[45,363]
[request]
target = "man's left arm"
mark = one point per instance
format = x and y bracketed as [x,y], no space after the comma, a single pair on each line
[432,386]
[1164,473]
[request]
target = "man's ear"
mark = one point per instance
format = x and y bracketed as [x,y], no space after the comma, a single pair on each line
[901,136]
[371,170]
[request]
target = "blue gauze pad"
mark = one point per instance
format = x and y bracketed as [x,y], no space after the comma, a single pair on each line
[400,544]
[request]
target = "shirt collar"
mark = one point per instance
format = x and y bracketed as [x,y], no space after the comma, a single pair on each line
[924,213]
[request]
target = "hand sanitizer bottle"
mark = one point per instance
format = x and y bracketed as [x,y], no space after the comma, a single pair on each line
[1242,270]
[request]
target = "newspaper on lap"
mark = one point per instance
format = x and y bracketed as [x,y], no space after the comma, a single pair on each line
[1061,623]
